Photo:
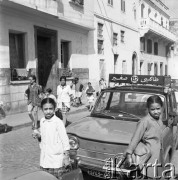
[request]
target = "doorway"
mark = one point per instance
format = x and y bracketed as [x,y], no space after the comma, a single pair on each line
[134,63]
[155,69]
[46,53]
[115,63]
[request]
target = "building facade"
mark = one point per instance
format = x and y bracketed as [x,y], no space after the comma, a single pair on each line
[173,5]
[116,37]
[156,38]
[89,38]
[41,37]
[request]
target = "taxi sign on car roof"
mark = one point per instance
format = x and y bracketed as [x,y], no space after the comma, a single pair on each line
[140,79]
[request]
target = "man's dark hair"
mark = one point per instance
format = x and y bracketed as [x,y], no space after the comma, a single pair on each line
[62,77]
[33,77]
[49,90]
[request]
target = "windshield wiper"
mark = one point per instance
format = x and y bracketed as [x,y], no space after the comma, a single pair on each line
[123,112]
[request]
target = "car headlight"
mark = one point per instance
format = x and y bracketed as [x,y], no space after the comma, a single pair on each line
[74,143]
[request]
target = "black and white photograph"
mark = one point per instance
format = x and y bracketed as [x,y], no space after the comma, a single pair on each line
[88,89]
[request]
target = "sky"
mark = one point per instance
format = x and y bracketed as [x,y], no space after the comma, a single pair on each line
[173,8]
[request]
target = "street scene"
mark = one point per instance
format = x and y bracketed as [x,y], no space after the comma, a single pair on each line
[20,153]
[88,89]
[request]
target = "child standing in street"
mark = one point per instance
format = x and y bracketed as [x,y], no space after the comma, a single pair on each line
[49,94]
[90,96]
[72,86]
[54,143]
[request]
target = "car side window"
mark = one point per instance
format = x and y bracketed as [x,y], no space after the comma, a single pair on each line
[115,99]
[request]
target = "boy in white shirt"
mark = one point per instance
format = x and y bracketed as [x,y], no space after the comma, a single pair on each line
[64,95]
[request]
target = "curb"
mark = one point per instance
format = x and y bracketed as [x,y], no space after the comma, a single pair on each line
[29,123]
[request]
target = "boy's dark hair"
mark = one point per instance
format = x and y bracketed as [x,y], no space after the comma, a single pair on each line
[89,83]
[154,99]
[33,77]
[62,77]
[48,100]
[49,90]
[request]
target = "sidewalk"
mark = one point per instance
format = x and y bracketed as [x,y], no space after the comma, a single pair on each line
[22,119]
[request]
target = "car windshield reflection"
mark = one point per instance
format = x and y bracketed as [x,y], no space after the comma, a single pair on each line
[129,105]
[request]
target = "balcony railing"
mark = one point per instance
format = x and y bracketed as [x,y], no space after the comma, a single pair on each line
[149,24]
[152,58]
[47,6]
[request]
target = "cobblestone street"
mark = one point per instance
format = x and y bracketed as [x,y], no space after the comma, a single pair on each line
[19,152]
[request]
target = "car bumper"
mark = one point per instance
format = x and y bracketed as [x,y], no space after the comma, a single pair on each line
[102,168]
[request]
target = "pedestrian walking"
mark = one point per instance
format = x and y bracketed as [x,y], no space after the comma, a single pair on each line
[78,90]
[102,85]
[90,95]
[64,96]
[72,86]
[145,145]
[49,94]
[33,94]
[54,142]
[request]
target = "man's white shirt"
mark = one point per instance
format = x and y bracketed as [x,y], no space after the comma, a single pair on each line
[63,95]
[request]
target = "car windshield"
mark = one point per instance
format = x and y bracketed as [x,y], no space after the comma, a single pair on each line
[129,105]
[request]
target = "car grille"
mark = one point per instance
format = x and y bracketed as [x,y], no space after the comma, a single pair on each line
[99,150]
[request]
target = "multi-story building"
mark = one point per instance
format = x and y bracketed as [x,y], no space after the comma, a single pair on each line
[173,5]
[116,37]
[45,36]
[91,38]
[155,38]
[41,37]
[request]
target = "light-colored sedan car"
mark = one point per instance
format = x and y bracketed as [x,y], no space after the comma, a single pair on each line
[97,138]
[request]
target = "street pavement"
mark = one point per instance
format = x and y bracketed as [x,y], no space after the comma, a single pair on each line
[20,120]
[19,152]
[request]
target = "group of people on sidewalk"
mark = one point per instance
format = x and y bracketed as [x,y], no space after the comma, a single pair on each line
[35,94]
[67,95]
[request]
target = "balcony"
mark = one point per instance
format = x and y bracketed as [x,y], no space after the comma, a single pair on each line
[148,25]
[46,6]
[151,58]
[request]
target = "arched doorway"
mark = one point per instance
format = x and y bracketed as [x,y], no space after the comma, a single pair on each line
[134,63]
